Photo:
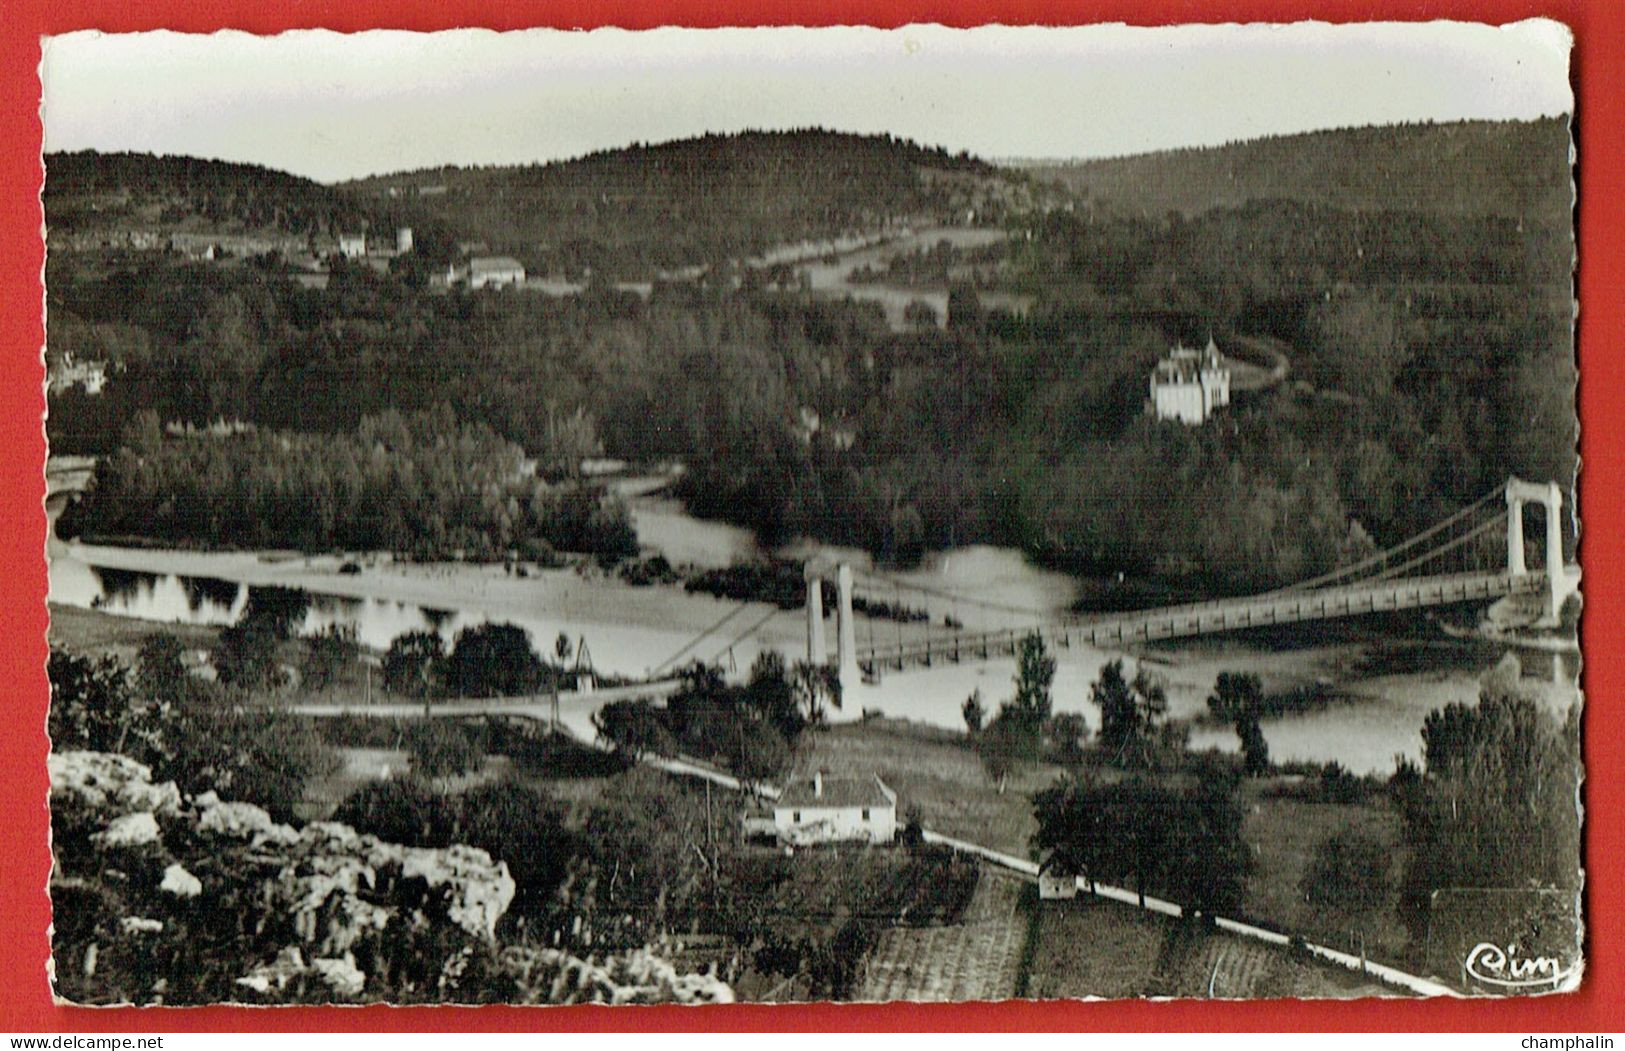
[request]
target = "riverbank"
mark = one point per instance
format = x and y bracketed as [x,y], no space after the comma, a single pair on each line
[581,600]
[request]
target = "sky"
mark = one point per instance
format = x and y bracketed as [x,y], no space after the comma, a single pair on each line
[333,106]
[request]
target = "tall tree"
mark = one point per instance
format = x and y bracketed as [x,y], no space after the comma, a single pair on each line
[1120,720]
[1497,805]
[1072,836]
[1238,699]
[1010,742]
[1035,673]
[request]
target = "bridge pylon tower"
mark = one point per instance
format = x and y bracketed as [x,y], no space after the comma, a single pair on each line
[816,572]
[1550,496]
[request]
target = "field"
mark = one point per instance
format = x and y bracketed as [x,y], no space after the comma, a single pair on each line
[939,777]
[87,631]
[977,958]
[1284,834]
[1094,948]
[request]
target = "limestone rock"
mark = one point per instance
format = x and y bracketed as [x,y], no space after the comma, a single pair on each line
[639,977]
[478,890]
[131,830]
[180,883]
[341,975]
[338,889]
[276,975]
[111,781]
[245,821]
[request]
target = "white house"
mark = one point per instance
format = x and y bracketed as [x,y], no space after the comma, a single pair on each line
[352,246]
[491,271]
[1056,883]
[823,809]
[1188,385]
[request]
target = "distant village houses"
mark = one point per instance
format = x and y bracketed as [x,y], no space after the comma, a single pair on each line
[89,376]
[211,245]
[824,809]
[1189,384]
[360,246]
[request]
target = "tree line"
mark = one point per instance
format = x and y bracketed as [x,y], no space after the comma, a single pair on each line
[750,729]
[423,485]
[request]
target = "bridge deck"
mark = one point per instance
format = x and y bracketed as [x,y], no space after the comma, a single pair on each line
[1208,618]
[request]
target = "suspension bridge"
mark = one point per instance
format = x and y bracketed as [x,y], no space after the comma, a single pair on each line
[1476,554]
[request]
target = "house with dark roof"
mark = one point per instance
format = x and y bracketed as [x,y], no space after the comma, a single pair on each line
[824,809]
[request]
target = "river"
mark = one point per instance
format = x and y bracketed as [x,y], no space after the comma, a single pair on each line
[1383,686]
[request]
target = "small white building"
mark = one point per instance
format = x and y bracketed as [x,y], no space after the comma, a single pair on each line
[823,809]
[1055,883]
[352,246]
[491,271]
[1188,384]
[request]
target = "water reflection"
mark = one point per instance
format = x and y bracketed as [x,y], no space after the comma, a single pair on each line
[211,592]
[123,585]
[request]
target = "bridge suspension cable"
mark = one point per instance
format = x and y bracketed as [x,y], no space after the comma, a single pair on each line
[954,597]
[696,640]
[1380,559]
[747,633]
[1473,534]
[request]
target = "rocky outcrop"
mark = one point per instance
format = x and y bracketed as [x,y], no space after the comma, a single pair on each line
[111,782]
[641,977]
[318,913]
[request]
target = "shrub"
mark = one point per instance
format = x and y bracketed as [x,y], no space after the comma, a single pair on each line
[1338,785]
[327,654]
[493,660]
[246,655]
[413,664]
[524,827]
[253,756]
[402,810]
[440,748]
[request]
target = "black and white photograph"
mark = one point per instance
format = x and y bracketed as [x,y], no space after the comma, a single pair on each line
[787,515]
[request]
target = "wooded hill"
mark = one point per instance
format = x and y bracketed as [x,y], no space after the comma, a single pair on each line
[1514,169]
[695,201]
[109,195]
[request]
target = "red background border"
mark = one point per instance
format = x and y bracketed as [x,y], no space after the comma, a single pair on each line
[25,1003]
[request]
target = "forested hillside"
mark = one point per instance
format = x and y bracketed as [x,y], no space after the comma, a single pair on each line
[1505,168]
[1431,355]
[95,197]
[696,201]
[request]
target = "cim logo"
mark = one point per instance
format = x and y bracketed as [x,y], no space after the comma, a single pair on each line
[1493,965]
